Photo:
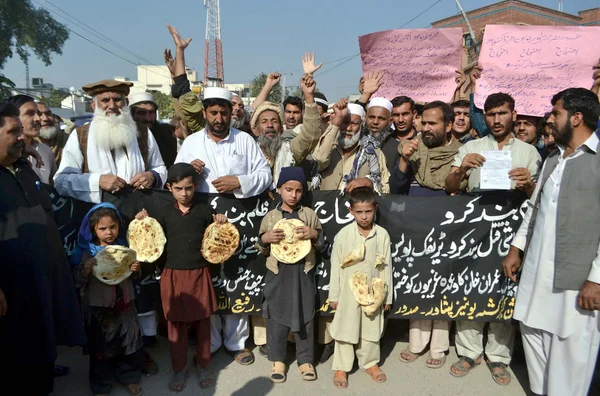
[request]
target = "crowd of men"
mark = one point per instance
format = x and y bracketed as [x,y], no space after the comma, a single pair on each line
[394,146]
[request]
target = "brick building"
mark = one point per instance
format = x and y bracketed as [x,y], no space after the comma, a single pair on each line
[512,12]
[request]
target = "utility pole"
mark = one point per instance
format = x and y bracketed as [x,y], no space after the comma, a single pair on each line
[27,79]
[476,43]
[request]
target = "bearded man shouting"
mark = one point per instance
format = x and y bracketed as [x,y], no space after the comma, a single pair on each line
[110,153]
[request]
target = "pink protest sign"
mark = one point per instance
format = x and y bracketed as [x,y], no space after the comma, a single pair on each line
[532,63]
[418,63]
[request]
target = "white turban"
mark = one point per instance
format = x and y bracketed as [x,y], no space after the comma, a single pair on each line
[381,102]
[355,109]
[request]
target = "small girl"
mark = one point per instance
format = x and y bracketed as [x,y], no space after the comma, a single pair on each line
[110,317]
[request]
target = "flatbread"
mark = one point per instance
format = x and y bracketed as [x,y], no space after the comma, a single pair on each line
[360,289]
[113,264]
[220,242]
[291,248]
[378,294]
[147,238]
[355,256]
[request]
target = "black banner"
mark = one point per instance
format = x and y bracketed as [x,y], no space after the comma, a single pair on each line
[447,251]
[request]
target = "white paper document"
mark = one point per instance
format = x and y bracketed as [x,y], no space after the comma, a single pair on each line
[494,172]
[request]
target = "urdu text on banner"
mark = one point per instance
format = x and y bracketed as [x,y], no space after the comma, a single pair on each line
[418,63]
[533,63]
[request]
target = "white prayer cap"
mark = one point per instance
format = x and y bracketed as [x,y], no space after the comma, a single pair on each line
[381,102]
[322,101]
[140,97]
[217,93]
[356,109]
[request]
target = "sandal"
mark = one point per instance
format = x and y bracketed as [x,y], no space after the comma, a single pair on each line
[429,363]
[460,367]
[502,372]
[135,389]
[412,358]
[177,383]
[278,372]
[307,371]
[207,379]
[244,356]
[340,379]
[376,374]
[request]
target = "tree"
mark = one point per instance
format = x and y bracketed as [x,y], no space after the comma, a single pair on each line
[164,103]
[55,99]
[24,27]
[258,82]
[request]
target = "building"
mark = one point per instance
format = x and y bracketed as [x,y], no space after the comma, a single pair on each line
[242,90]
[512,12]
[157,78]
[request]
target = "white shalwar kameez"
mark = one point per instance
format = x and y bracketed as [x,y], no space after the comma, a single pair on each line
[560,339]
[236,155]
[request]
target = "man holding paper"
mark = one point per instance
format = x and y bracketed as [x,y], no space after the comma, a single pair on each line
[498,161]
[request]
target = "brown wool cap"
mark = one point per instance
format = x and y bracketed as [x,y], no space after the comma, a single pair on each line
[99,87]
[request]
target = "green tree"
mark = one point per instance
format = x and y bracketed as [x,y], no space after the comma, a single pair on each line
[258,82]
[23,28]
[55,98]
[164,103]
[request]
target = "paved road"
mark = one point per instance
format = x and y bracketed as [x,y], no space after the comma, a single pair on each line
[234,379]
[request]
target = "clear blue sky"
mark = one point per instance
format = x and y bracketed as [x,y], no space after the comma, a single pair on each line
[257,35]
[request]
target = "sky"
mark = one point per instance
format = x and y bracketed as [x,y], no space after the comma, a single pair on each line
[258,36]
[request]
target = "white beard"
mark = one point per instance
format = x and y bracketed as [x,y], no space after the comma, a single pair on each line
[113,130]
[48,132]
[348,143]
[237,123]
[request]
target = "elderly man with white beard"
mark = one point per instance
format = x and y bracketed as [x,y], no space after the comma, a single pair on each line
[50,134]
[347,155]
[112,152]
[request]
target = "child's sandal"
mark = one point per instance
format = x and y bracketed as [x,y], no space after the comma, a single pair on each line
[135,389]
[307,371]
[278,372]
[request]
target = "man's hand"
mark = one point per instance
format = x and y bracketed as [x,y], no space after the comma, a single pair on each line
[220,218]
[198,165]
[305,233]
[180,43]
[410,148]
[460,77]
[387,307]
[144,180]
[333,305]
[225,184]
[373,80]
[112,183]
[340,111]
[308,85]
[141,215]
[3,304]
[29,151]
[273,79]
[273,236]
[474,76]
[596,77]
[472,161]
[169,61]
[512,263]
[308,64]
[362,182]
[522,177]
[589,296]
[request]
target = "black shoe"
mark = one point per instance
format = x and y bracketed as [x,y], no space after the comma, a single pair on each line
[263,351]
[61,371]
[327,352]
[149,366]
[149,341]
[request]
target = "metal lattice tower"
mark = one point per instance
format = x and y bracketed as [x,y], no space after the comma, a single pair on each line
[213,49]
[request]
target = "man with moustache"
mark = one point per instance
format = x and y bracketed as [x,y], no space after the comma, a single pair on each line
[30,120]
[559,284]
[461,128]
[346,156]
[403,116]
[50,132]
[379,118]
[38,303]
[143,110]
[238,114]
[500,115]
[229,162]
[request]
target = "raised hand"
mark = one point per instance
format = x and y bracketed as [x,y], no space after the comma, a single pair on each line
[340,111]
[308,64]
[308,84]
[373,80]
[169,61]
[273,79]
[410,148]
[180,43]
[475,74]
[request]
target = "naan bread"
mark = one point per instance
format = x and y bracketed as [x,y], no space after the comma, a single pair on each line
[360,289]
[290,249]
[147,238]
[378,293]
[220,242]
[113,264]
[355,256]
